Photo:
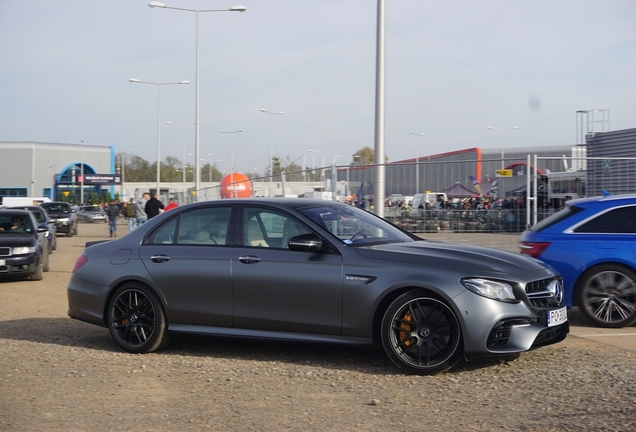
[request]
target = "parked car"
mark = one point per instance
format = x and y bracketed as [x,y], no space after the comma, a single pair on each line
[42,217]
[592,243]
[23,252]
[64,216]
[314,271]
[91,214]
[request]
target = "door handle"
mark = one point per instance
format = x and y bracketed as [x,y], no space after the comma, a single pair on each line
[159,258]
[249,259]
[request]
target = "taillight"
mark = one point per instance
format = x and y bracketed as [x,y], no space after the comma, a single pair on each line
[534,249]
[83,259]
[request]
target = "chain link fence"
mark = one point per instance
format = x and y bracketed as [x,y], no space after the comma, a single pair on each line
[455,200]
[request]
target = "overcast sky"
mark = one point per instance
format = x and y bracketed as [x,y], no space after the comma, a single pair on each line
[452,69]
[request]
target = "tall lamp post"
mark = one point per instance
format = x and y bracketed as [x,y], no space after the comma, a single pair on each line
[197,162]
[271,146]
[135,80]
[417,163]
[502,140]
[183,125]
[232,158]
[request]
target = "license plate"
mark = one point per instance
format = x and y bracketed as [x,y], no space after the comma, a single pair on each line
[558,316]
[2,262]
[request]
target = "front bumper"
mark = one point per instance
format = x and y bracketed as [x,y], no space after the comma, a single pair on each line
[18,265]
[494,327]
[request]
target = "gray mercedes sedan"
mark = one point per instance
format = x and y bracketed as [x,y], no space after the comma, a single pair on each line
[314,271]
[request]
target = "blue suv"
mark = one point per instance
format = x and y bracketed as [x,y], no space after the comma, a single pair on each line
[592,243]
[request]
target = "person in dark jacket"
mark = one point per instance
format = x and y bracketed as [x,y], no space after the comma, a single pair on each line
[112,214]
[153,206]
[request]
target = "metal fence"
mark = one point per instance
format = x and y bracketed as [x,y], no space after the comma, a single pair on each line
[486,199]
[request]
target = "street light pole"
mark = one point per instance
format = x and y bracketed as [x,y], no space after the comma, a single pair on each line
[232,158]
[271,146]
[156,4]
[183,125]
[502,140]
[417,163]
[135,80]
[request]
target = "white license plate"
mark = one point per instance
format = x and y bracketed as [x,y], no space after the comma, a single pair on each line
[558,316]
[2,262]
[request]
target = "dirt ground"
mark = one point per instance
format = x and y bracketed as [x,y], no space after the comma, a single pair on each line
[59,374]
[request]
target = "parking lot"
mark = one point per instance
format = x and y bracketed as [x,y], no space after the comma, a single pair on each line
[60,374]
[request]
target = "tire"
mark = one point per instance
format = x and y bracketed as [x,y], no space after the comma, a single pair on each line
[46,267]
[70,231]
[136,319]
[421,335]
[75,229]
[607,296]
[39,274]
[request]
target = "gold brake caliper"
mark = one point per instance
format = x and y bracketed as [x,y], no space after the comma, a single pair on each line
[406,328]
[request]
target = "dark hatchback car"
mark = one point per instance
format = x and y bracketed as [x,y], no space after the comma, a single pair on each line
[592,243]
[314,271]
[23,252]
[44,222]
[63,215]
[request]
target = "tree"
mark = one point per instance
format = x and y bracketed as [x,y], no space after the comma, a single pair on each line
[365,156]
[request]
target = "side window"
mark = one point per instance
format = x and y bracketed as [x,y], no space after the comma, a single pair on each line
[204,226]
[165,233]
[269,228]
[618,221]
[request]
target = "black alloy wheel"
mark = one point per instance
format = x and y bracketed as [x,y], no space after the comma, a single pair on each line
[136,319]
[421,335]
[607,296]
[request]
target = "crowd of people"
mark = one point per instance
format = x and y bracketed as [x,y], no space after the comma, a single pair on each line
[135,211]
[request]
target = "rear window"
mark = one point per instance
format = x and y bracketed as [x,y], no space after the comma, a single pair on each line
[615,221]
[555,218]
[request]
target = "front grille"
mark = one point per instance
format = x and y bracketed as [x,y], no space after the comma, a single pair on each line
[5,251]
[539,295]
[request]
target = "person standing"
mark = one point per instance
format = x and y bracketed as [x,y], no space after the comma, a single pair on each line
[140,209]
[171,205]
[112,214]
[131,214]
[153,206]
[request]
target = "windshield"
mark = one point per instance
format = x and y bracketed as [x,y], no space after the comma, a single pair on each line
[91,209]
[56,208]
[354,226]
[12,224]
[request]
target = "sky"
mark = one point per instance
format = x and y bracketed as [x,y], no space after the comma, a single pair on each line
[452,69]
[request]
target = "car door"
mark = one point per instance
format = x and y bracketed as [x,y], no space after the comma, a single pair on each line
[278,289]
[190,261]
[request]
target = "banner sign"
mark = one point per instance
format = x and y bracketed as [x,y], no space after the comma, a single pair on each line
[102,179]
[503,173]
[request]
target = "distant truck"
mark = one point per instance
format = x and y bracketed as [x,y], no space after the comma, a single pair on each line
[23,201]
[433,198]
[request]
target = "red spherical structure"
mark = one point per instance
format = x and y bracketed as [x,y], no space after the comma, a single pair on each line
[236,185]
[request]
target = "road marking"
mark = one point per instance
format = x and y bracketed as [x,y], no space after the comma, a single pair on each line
[609,335]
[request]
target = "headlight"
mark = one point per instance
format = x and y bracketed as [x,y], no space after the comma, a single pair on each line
[491,289]
[23,250]
[63,219]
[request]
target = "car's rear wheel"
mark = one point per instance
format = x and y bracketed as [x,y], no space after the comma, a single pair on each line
[421,334]
[136,319]
[607,296]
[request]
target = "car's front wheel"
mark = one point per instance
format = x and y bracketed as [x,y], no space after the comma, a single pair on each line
[421,334]
[607,296]
[136,319]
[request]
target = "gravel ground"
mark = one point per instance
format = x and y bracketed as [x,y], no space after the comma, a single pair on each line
[58,374]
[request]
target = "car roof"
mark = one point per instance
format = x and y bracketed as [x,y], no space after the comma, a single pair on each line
[585,202]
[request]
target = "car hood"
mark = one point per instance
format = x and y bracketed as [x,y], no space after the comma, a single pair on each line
[16,240]
[472,260]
